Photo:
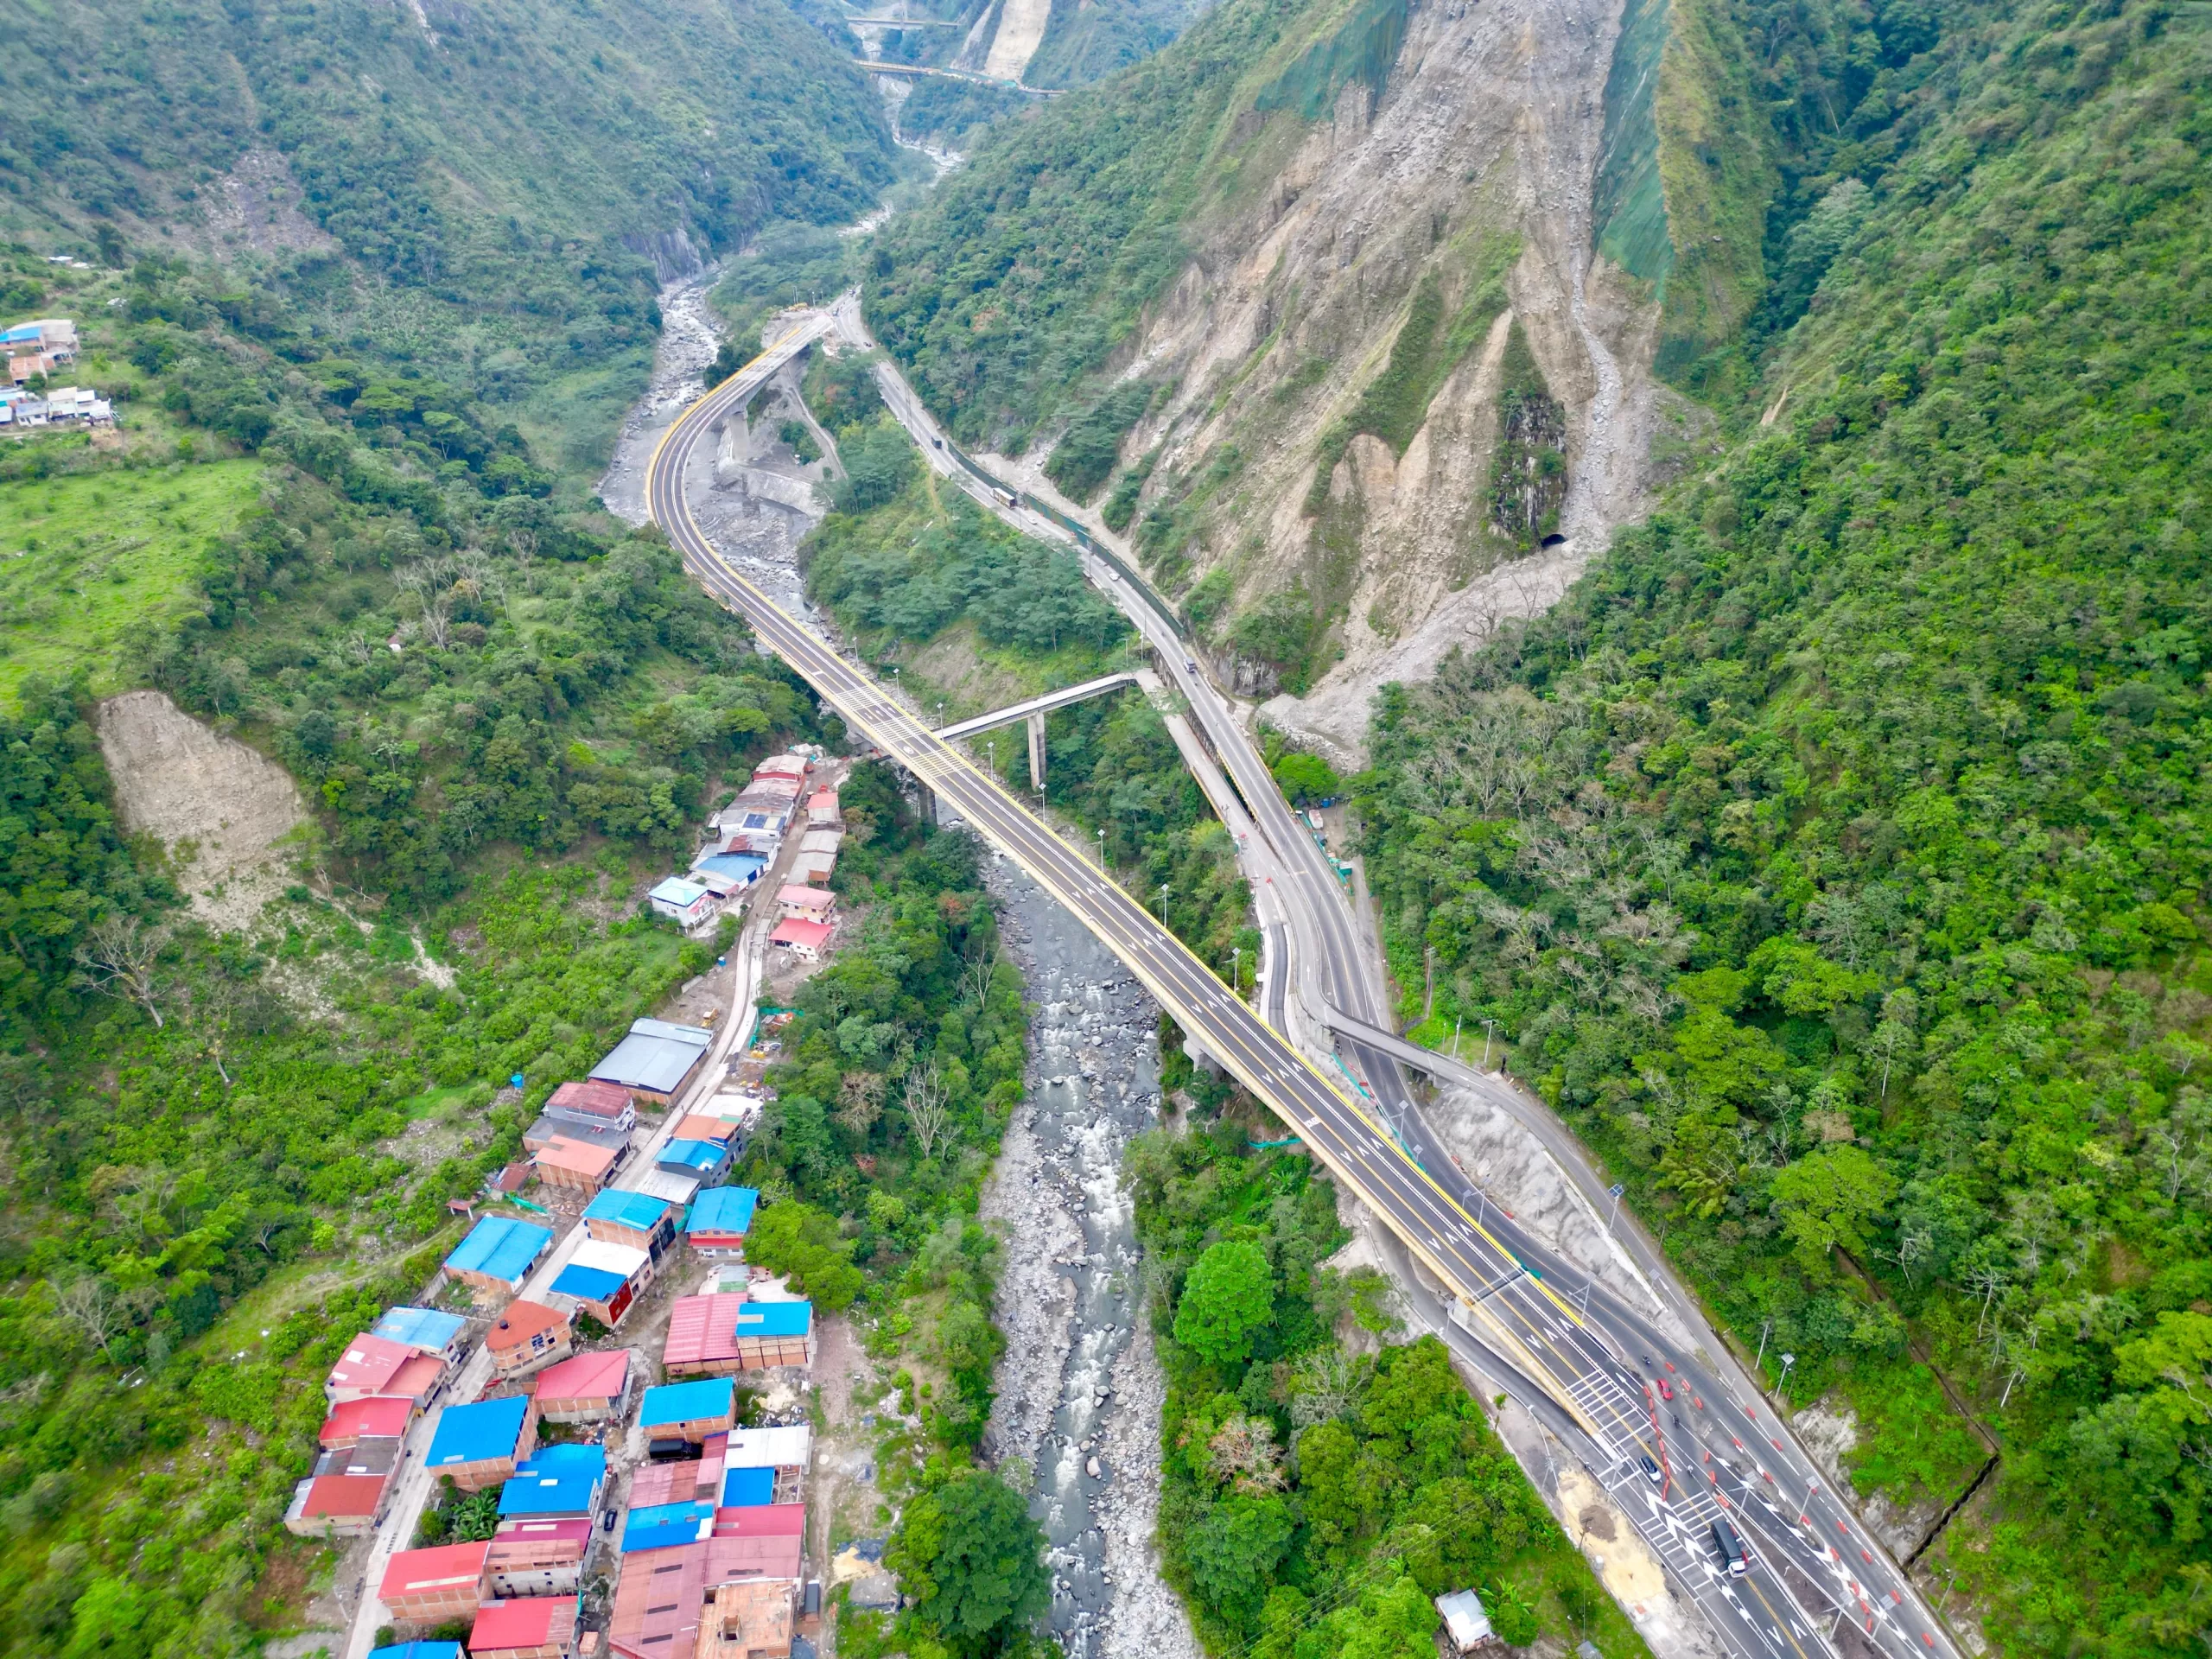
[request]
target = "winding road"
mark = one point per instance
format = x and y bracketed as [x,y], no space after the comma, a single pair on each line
[1591,1366]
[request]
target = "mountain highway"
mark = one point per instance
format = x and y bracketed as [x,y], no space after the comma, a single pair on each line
[1598,1365]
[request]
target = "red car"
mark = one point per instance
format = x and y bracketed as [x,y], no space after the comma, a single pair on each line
[1666,1390]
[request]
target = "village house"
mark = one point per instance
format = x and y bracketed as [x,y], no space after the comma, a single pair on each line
[806,941]
[688,1411]
[656,1059]
[428,1587]
[497,1255]
[588,1388]
[805,903]
[691,905]
[637,1219]
[337,1506]
[533,1557]
[528,1335]
[530,1627]
[479,1445]
[604,1279]
[600,1104]
[719,1220]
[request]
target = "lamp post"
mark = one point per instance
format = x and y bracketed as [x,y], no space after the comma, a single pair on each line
[1101,849]
[1617,1189]
[1781,1383]
[1237,969]
[1163,901]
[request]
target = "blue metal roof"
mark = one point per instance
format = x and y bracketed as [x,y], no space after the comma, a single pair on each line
[745,1489]
[775,1319]
[674,890]
[627,1209]
[685,1402]
[663,1524]
[477,1433]
[502,1247]
[556,1482]
[722,1210]
[590,1284]
[418,1327]
[742,867]
[418,1651]
[693,1154]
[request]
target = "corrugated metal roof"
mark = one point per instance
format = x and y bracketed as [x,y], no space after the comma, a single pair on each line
[425,1328]
[775,1319]
[478,1433]
[687,1403]
[372,1415]
[342,1497]
[768,1448]
[559,1480]
[762,1521]
[674,890]
[523,1622]
[743,1488]
[699,1156]
[501,1247]
[608,1256]
[587,1284]
[368,1364]
[666,1525]
[418,1651]
[700,1329]
[411,1572]
[655,1056]
[723,1210]
[638,1209]
[586,1377]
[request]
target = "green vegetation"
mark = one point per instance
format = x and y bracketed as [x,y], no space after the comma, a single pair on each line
[97,556]
[1025,269]
[501,181]
[1528,472]
[1086,42]
[1313,1500]
[951,114]
[974,1562]
[1086,455]
[1836,856]
[785,265]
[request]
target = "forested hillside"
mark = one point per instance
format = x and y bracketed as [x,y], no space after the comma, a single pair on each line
[1836,858]
[487,189]
[219,1136]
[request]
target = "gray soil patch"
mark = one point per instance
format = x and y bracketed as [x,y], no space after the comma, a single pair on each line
[222,809]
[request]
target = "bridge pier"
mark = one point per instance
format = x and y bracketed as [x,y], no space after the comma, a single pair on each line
[1037,751]
[924,801]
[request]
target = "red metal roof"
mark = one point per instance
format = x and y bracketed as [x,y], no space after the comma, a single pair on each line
[417,1376]
[413,1572]
[524,1622]
[368,1364]
[342,1497]
[561,1152]
[372,1415]
[812,935]
[701,1328]
[586,1377]
[591,1096]
[762,1521]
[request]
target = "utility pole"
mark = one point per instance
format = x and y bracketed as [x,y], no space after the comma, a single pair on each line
[1428,983]
[1458,1019]
[1765,1326]
[1490,1028]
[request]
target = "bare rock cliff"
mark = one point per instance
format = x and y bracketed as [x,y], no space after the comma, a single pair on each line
[1372,296]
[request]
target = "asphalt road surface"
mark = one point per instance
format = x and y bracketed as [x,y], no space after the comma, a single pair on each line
[1802,1593]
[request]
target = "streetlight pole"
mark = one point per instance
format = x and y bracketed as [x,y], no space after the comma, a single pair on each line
[1788,1360]
[1618,1188]
[1237,969]
[1101,849]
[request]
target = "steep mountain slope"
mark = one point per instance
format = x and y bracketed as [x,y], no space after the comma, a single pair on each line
[1837,855]
[497,186]
[1325,238]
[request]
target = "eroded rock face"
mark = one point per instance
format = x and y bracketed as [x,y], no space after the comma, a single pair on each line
[222,809]
[1455,206]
